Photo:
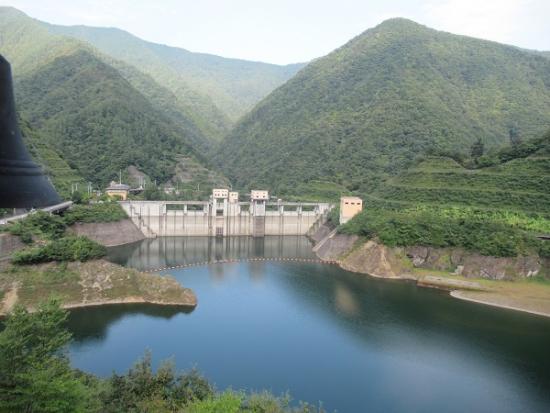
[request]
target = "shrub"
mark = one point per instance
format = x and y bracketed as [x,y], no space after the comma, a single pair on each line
[333,217]
[39,223]
[100,212]
[166,388]
[410,227]
[64,249]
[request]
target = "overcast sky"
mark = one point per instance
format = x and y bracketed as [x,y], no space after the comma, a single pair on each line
[286,31]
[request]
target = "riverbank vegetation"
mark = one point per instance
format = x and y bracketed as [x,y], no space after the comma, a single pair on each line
[35,375]
[436,229]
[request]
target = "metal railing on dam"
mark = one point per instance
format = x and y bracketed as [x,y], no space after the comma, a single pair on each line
[223,218]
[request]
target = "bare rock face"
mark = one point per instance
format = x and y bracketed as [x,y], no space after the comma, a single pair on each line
[109,234]
[496,268]
[378,260]
[473,265]
[317,235]
[334,247]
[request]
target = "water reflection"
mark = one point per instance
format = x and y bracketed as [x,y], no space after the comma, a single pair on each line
[172,251]
[357,343]
[92,323]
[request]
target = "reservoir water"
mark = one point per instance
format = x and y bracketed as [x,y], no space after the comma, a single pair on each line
[354,343]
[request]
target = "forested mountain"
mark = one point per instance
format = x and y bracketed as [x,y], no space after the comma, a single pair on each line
[366,110]
[28,44]
[96,120]
[234,85]
[100,114]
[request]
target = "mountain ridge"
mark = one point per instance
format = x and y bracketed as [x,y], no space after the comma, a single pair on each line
[32,52]
[392,93]
[234,85]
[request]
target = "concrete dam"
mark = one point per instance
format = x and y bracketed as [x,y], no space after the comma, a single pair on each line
[223,215]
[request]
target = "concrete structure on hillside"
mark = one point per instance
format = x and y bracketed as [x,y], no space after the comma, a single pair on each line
[223,215]
[118,190]
[349,207]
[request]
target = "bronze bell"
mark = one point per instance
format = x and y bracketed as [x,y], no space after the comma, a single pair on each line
[22,182]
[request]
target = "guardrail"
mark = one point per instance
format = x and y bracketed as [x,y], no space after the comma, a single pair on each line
[51,209]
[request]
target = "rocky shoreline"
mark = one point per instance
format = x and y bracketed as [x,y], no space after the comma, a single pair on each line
[495,281]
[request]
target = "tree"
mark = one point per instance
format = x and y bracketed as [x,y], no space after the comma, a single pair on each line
[77,197]
[141,389]
[35,374]
[477,149]
[515,138]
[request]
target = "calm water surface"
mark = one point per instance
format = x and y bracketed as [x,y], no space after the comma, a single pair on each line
[355,343]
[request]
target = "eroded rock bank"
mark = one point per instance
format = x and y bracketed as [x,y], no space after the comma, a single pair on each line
[470,276]
[373,258]
[91,283]
[109,234]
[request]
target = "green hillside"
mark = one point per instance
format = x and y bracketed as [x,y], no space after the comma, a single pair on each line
[97,121]
[101,115]
[59,171]
[516,180]
[497,209]
[234,85]
[395,92]
[29,46]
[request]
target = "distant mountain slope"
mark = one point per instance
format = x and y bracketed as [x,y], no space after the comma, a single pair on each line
[29,45]
[234,85]
[100,114]
[96,120]
[392,93]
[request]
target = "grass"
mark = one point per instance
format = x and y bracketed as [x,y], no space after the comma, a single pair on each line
[39,283]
